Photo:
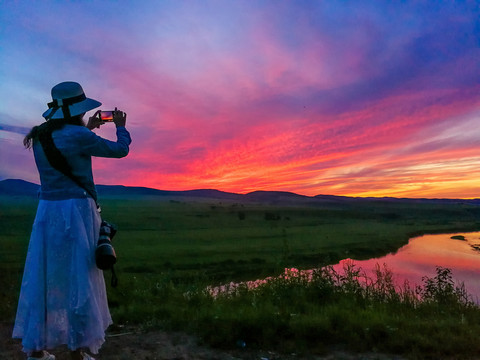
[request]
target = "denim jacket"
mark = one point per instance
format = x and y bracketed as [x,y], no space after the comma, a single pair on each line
[78,144]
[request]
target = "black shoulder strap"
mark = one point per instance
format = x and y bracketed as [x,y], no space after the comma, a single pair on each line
[59,162]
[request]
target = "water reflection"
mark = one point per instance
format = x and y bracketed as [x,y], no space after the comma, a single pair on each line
[419,258]
[423,254]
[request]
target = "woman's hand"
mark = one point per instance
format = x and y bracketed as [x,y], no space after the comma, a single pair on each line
[119,118]
[94,121]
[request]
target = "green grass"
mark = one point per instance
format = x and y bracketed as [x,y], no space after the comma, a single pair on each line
[210,237]
[296,314]
[167,249]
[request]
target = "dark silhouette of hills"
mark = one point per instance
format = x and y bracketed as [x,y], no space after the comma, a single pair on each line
[17,187]
[120,190]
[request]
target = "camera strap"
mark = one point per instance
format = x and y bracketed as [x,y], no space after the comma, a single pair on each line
[114,279]
[59,162]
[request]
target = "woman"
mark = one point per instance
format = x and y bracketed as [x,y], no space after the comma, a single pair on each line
[63,297]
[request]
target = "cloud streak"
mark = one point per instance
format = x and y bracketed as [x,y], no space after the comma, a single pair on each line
[336,98]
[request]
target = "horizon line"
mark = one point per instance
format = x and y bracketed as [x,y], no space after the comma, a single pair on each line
[270,191]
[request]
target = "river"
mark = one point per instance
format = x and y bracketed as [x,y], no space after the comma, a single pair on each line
[419,258]
[423,254]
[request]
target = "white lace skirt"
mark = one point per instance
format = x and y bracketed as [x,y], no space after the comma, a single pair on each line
[63,299]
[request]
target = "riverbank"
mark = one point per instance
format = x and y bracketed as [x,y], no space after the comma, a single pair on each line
[310,314]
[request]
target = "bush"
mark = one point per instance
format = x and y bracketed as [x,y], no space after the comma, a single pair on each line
[441,289]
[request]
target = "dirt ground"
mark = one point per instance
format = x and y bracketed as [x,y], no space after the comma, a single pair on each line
[131,344]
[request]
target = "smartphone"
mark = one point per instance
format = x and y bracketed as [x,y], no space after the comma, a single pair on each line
[106,115]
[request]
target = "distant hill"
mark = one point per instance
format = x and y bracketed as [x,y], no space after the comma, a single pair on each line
[16,187]
[278,197]
[119,190]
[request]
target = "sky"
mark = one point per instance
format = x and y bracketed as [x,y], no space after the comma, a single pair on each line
[352,98]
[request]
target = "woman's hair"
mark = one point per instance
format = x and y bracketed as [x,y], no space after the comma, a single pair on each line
[48,127]
[43,133]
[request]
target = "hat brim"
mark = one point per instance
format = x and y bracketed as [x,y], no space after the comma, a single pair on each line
[75,109]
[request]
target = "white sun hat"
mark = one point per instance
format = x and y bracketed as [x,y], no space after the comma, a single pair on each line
[69,100]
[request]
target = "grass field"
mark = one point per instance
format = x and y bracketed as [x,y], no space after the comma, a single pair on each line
[227,240]
[171,247]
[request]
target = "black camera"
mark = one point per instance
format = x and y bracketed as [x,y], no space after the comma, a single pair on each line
[105,256]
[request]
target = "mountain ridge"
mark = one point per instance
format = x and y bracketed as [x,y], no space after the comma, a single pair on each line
[19,187]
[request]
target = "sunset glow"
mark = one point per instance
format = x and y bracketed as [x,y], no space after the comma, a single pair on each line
[341,98]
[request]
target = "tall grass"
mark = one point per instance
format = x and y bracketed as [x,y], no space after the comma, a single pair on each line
[312,312]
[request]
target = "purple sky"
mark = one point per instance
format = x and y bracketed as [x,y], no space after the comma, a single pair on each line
[369,98]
